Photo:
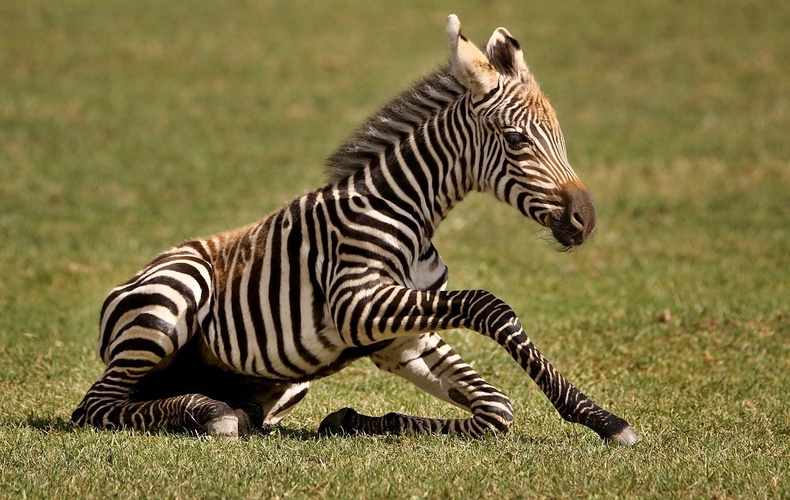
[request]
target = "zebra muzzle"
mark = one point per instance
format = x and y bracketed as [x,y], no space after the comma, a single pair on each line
[576,222]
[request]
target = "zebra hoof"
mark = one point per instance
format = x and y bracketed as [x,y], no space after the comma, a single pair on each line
[226,427]
[245,422]
[626,437]
[332,424]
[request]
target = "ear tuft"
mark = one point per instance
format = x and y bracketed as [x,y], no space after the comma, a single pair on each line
[469,65]
[506,55]
[453,30]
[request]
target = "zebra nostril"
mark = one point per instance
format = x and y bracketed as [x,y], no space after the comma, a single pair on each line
[578,221]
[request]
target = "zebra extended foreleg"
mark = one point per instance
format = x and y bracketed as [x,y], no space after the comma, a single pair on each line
[571,404]
[410,312]
[432,365]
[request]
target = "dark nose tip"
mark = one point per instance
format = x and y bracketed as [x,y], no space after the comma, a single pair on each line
[581,212]
[576,222]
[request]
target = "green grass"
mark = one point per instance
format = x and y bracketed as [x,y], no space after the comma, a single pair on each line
[128,127]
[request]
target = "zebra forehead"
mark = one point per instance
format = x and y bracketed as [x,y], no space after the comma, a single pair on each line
[543,112]
[533,107]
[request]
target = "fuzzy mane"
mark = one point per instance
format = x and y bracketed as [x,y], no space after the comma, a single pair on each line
[394,120]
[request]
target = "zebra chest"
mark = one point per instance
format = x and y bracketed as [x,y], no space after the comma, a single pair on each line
[428,272]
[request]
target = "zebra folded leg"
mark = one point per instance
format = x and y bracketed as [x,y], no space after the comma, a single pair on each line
[107,407]
[257,402]
[118,400]
[131,394]
[432,365]
[216,402]
[149,325]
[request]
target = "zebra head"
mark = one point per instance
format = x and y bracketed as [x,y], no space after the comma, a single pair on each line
[519,154]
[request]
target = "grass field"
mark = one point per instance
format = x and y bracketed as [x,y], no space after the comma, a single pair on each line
[126,127]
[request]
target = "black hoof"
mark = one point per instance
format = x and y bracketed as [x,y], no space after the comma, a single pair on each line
[337,423]
[250,416]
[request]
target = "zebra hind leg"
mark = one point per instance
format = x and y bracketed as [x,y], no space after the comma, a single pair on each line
[133,397]
[257,403]
[186,384]
[147,323]
[105,408]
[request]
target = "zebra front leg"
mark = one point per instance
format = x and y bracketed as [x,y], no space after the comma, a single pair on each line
[572,405]
[432,365]
[403,311]
[503,325]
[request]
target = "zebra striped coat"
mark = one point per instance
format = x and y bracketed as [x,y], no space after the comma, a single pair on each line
[224,334]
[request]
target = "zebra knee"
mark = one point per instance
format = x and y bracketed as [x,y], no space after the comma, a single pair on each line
[496,423]
[493,414]
[96,412]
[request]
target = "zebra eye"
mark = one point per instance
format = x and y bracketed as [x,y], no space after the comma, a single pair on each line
[516,139]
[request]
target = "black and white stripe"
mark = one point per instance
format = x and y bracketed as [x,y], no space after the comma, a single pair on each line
[224,333]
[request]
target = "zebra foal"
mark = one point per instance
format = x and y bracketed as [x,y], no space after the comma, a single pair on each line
[224,334]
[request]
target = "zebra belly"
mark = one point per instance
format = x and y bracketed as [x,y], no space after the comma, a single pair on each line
[278,354]
[278,360]
[190,370]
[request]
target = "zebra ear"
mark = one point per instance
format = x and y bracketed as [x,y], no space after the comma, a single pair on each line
[505,54]
[468,63]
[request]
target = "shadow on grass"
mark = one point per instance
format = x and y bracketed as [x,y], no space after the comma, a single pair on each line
[48,424]
[294,433]
[302,434]
[55,424]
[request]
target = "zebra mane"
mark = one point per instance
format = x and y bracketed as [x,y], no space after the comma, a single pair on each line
[394,120]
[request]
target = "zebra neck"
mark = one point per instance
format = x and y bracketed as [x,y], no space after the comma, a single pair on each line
[414,153]
[422,175]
